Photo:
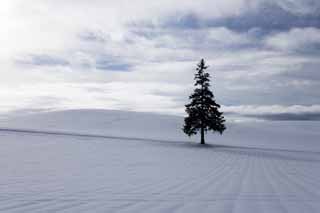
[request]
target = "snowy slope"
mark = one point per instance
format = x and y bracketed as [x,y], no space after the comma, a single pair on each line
[69,163]
[279,135]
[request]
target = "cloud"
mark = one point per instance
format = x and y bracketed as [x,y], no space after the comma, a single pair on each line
[93,36]
[300,7]
[289,117]
[305,72]
[42,60]
[296,39]
[145,96]
[260,52]
[264,15]
[276,112]
[210,39]
[105,64]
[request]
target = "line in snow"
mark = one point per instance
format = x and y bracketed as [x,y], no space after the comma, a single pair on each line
[176,142]
[31,131]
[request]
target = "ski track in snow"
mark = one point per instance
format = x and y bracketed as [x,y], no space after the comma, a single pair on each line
[71,173]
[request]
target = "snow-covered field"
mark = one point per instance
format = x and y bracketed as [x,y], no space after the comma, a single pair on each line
[113,161]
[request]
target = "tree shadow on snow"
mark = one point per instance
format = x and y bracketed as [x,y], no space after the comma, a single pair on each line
[265,153]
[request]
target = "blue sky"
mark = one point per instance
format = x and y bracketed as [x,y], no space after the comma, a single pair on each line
[263,55]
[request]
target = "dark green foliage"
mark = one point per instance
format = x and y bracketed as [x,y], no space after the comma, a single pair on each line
[203,112]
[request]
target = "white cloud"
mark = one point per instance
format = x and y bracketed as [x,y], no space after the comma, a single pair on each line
[113,95]
[300,7]
[228,37]
[295,39]
[271,109]
[161,66]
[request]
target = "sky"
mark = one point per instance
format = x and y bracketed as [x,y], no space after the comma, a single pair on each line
[141,55]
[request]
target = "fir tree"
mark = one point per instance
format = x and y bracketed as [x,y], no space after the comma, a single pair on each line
[203,112]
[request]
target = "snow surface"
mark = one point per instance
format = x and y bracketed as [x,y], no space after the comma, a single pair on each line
[114,161]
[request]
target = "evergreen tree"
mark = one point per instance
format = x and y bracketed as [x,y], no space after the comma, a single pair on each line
[203,112]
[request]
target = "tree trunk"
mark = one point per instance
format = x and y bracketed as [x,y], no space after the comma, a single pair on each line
[202,135]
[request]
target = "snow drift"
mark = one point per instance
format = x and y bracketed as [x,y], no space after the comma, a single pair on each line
[113,161]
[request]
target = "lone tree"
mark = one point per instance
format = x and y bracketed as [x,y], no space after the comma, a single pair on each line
[203,112]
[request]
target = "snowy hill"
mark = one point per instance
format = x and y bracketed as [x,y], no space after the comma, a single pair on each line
[278,135]
[114,161]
